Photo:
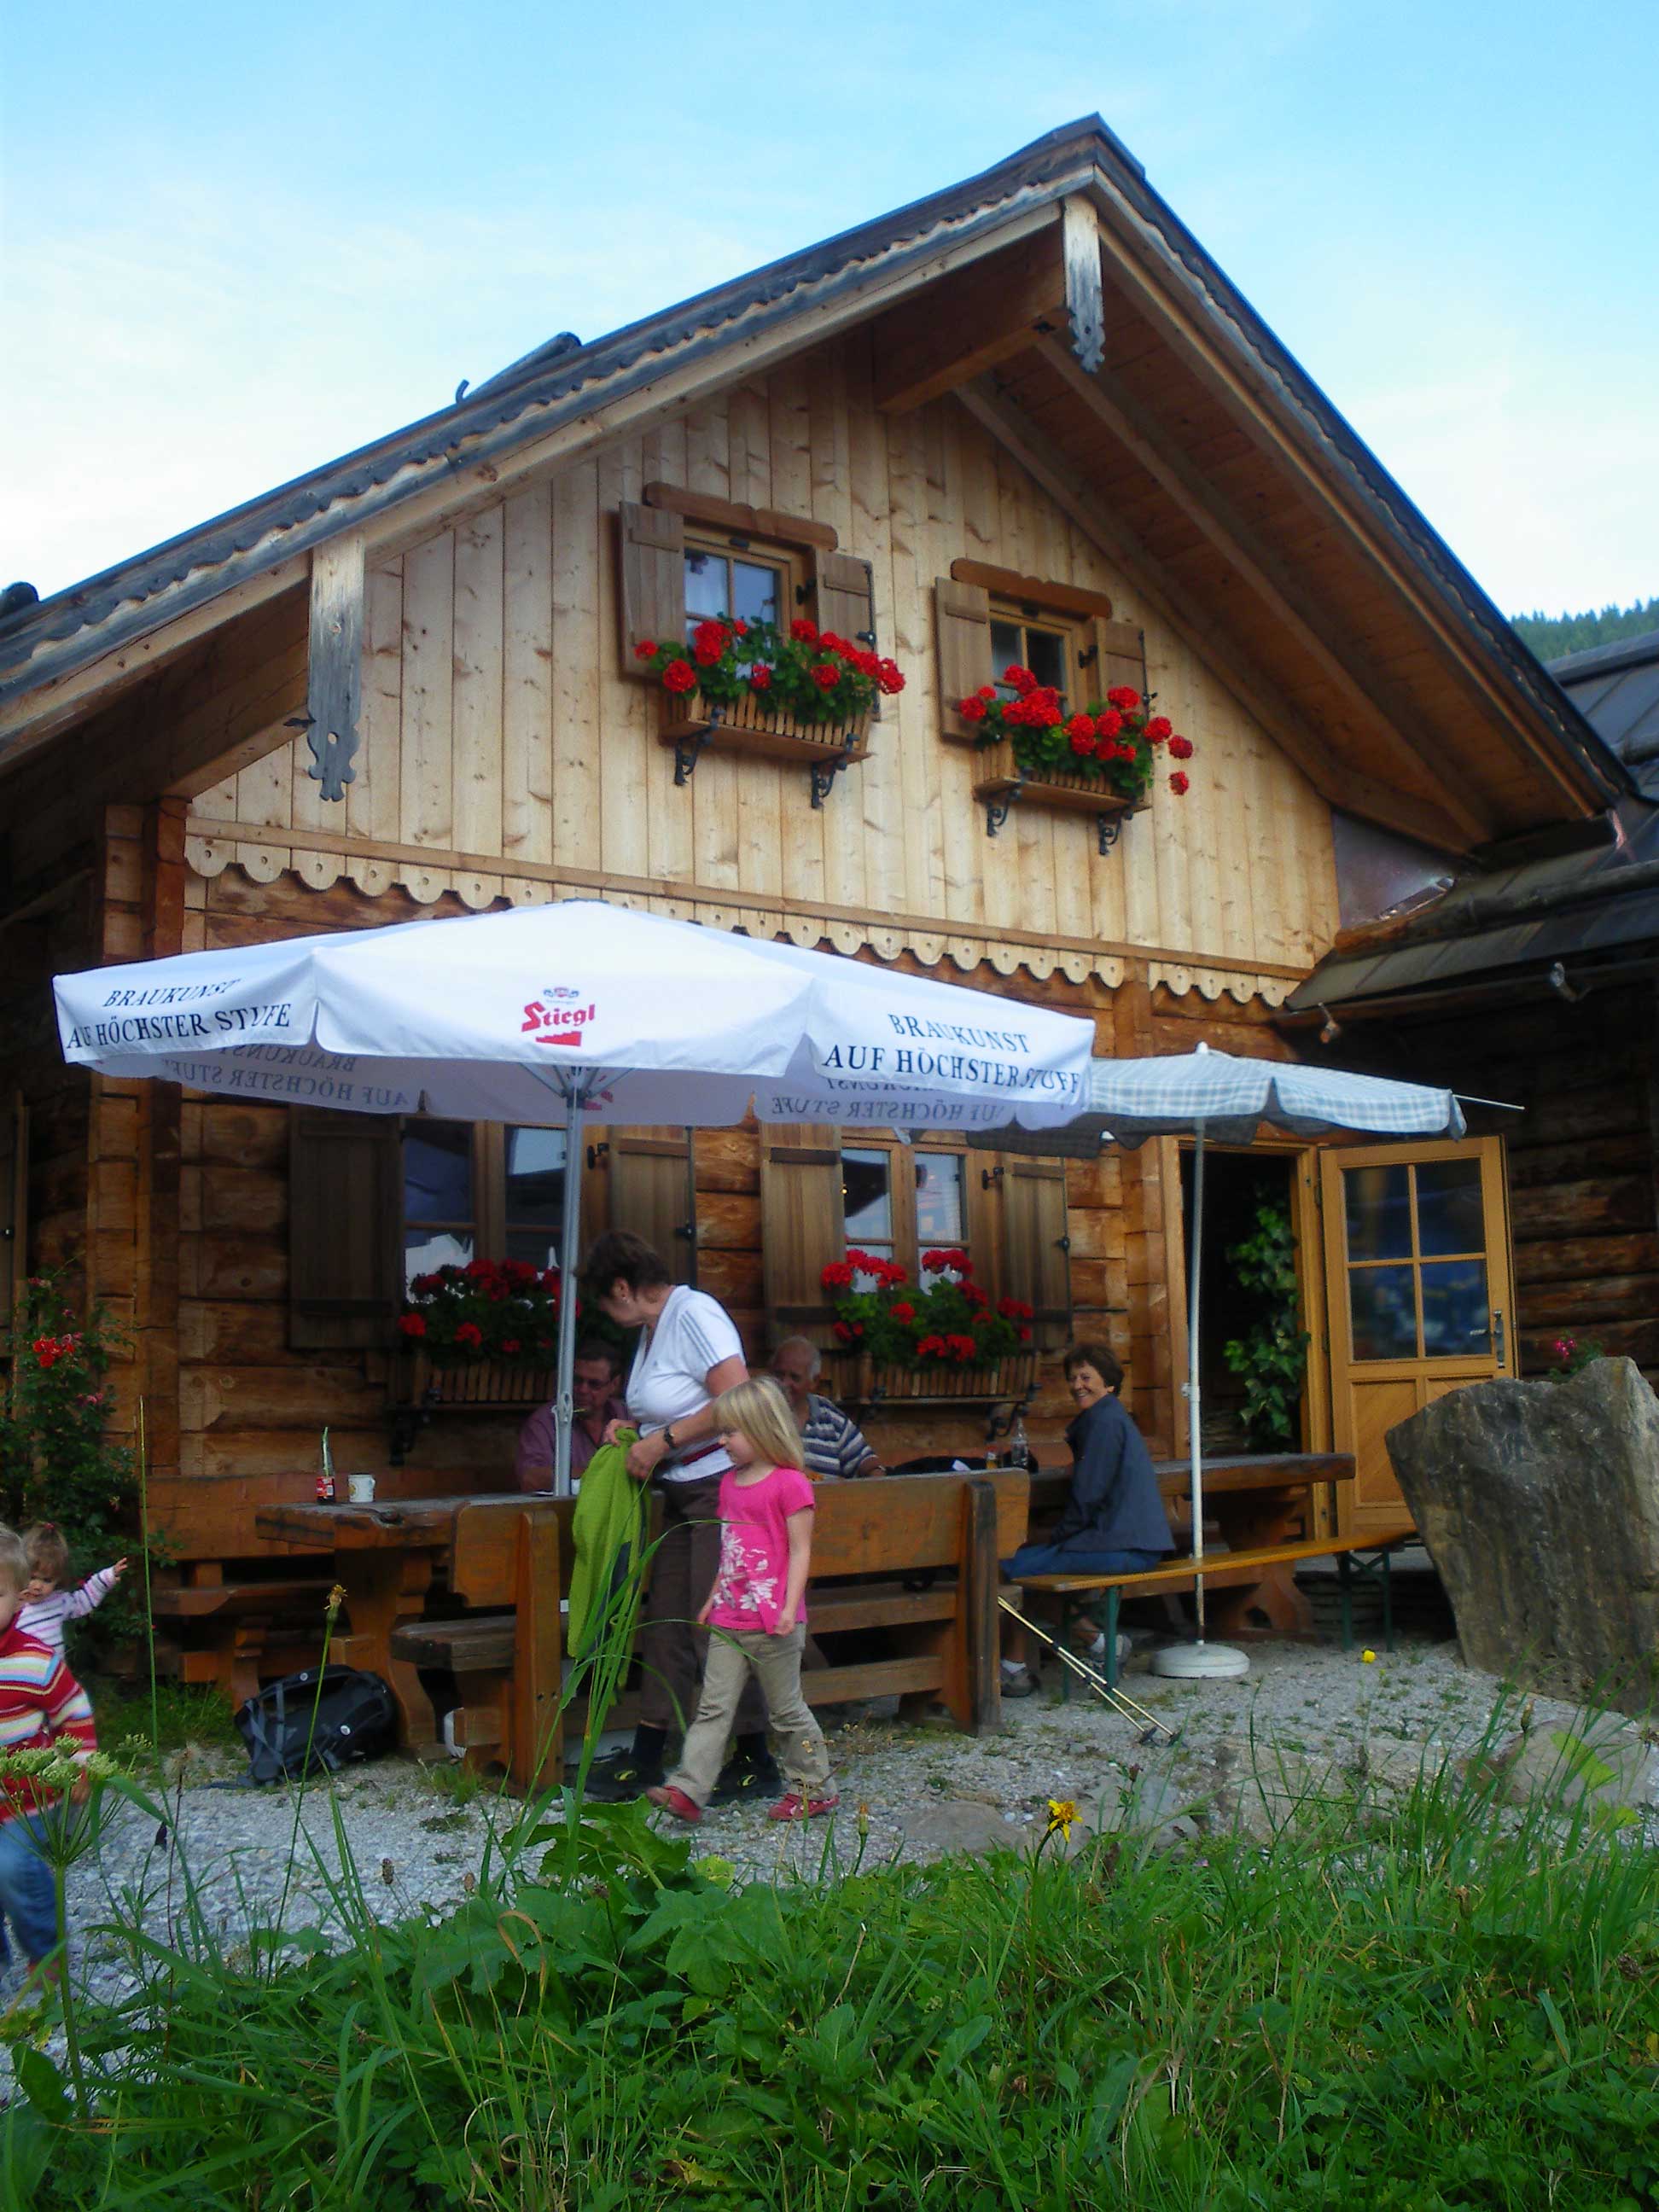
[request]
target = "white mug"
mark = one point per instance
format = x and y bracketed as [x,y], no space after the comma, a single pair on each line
[361,1489]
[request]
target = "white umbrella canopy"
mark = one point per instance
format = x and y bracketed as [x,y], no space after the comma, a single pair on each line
[574,1012]
[1219,1096]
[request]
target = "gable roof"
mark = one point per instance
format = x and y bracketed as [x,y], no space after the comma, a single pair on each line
[114,627]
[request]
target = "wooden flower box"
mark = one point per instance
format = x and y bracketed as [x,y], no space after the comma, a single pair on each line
[482,1385]
[860,1382]
[689,721]
[999,772]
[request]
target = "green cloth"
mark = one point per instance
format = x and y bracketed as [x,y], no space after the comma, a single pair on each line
[606,1531]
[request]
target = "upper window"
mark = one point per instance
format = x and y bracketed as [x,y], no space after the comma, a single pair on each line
[899,1201]
[737,584]
[1045,646]
[483,1188]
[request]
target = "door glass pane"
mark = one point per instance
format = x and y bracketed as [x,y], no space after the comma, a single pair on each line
[1383,1312]
[866,1200]
[941,1212]
[1456,1319]
[1045,656]
[438,1172]
[707,588]
[1007,643]
[1449,1216]
[754,592]
[535,1192]
[1378,1208]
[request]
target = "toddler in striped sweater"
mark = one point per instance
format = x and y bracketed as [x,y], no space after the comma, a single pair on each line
[42,1708]
[47,1604]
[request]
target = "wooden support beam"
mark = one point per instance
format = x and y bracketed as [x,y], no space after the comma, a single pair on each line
[1220,651]
[231,709]
[338,575]
[1380,701]
[966,324]
[1085,302]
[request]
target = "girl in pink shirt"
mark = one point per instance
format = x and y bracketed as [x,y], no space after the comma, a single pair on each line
[757,1608]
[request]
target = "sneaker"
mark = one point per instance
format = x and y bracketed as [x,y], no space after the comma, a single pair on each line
[1019,1682]
[746,1782]
[677,1802]
[794,1806]
[619,1779]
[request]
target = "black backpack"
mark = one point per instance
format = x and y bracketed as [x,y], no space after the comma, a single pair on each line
[352,1716]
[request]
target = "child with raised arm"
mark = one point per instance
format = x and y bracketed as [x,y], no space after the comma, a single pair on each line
[42,1706]
[47,1604]
[757,1608]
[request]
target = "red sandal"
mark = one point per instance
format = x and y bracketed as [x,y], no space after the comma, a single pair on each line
[677,1802]
[794,1806]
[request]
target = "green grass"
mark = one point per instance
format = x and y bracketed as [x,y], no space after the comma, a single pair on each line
[197,1714]
[1448,2004]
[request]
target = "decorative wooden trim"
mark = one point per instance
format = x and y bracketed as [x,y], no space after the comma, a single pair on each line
[687,893]
[338,571]
[1039,590]
[765,522]
[860,1382]
[1085,305]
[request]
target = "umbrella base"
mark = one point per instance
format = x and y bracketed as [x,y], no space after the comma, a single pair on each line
[1192,1662]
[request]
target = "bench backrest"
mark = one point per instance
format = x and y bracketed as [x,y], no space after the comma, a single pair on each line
[894,1522]
[483,1558]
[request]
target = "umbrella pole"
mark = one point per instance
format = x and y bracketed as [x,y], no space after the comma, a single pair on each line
[564,1411]
[1195,1396]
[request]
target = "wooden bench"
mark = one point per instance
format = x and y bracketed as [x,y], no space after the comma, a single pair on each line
[1222,1569]
[869,1537]
[241,1624]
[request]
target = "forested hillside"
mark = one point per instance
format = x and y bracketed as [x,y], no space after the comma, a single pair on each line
[1551,635]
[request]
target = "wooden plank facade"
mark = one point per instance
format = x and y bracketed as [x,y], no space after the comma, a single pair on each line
[906,437]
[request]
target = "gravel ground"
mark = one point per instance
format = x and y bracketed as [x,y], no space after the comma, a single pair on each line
[1310,1714]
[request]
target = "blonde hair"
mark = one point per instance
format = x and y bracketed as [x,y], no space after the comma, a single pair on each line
[14,1560]
[48,1554]
[759,1408]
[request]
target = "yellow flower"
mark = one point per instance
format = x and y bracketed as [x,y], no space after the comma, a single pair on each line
[1061,1813]
[1368,1656]
[336,1600]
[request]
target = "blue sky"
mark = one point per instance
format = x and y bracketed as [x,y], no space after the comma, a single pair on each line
[239,242]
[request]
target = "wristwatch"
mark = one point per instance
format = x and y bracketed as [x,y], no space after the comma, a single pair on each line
[666,1432]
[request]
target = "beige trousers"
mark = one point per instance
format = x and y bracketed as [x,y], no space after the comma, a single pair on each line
[774,1662]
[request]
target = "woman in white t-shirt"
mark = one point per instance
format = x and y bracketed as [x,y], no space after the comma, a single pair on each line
[689,1352]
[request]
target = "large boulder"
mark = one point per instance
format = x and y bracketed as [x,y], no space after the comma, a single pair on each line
[1539,1503]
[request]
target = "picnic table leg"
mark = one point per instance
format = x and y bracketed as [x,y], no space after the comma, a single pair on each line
[383,1589]
[1387,1598]
[1344,1593]
[1113,1597]
[981,1577]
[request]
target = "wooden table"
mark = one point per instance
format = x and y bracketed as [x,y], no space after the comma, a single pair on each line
[1254,1499]
[386,1556]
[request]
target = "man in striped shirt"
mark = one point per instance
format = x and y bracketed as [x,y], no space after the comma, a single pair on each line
[42,1708]
[834,1446]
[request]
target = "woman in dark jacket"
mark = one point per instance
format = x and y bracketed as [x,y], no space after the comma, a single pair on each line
[1114,1522]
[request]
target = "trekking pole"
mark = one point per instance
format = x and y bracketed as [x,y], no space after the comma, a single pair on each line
[1135,1713]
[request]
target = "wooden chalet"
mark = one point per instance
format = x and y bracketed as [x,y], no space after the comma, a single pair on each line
[1027,415]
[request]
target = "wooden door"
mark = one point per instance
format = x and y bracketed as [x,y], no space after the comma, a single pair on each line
[1420,1299]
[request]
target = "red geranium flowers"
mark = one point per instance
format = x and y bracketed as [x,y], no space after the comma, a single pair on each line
[804,671]
[1113,740]
[947,1321]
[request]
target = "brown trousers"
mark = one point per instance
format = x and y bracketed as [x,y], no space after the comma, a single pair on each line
[674,1649]
[737,1661]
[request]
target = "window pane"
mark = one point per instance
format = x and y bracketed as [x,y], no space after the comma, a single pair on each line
[438,1172]
[1008,644]
[1378,1201]
[866,1200]
[535,1179]
[939,1198]
[1045,656]
[1450,1217]
[707,588]
[1456,1319]
[536,1245]
[426,1250]
[1384,1316]
[754,592]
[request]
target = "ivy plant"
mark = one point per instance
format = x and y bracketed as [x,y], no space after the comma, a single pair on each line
[1272,1355]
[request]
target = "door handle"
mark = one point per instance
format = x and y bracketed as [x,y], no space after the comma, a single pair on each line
[1498,1341]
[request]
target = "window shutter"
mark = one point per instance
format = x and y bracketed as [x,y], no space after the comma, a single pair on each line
[652,1192]
[651,600]
[345,1229]
[1119,657]
[963,615]
[14,1201]
[1036,1247]
[843,600]
[802,1226]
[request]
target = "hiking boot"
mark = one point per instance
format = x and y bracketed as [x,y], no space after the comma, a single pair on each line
[794,1806]
[677,1802]
[619,1778]
[1019,1682]
[746,1782]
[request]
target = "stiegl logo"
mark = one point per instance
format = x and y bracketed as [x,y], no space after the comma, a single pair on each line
[552,1019]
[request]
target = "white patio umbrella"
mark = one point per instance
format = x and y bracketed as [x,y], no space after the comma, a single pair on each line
[1217,1094]
[608,1014]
